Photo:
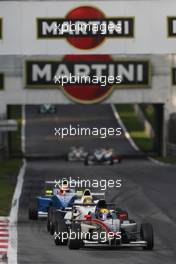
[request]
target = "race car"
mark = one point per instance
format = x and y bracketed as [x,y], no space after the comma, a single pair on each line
[85,196]
[47,109]
[57,195]
[117,158]
[76,154]
[102,156]
[62,200]
[39,205]
[86,202]
[104,225]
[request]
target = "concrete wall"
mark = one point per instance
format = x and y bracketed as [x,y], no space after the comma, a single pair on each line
[19,30]
[160,90]
[19,39]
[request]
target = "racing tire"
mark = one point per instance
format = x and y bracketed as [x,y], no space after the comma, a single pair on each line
[70,159]
[33,210]
[146,234]
[48,225]
[120,161]
[111,161]
[76,242]
[89,160]
[86,161]
[60,229]
[33,214]
[52,229]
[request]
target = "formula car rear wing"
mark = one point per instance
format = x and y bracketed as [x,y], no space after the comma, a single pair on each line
[81,204]
[58,183]
[65,210]
[50,182]
[87,192]
[98,194]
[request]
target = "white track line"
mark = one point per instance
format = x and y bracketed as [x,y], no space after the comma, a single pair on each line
[126,133]
[13,239]
[129,138]
[158,162]
[13,242]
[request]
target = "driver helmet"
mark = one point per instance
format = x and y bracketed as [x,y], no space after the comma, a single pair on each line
[108,151]
[64,188]
[103,214]
[88,200]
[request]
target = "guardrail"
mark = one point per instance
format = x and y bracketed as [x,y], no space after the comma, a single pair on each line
[8,125]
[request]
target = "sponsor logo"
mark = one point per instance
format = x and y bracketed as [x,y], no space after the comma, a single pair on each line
[1,81]
[134,73]
[85,27]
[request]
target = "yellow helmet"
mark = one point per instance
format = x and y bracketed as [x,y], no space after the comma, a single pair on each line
[103,214]
[88,200]
[104,211]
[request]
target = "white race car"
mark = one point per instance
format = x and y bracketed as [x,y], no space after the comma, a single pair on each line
[76,154]
[102,225]
[47,109]
[86,202]
[103,156]
[109,226]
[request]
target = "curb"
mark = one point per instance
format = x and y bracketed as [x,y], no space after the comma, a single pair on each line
[13,241]
[4,238]
[127,134]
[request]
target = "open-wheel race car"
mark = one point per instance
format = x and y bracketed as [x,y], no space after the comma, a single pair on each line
[55,195]
[62,200]
[102,225]
[103,156]
[56,215]
[47,109]
[76,154]
[38,206]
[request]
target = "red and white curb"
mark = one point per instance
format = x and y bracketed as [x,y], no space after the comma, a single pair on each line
[4,237]
[13,218]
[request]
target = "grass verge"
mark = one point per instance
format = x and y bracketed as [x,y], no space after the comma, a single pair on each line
[149,112]
[167,160]
[134,127]
[14,137]
[8,175]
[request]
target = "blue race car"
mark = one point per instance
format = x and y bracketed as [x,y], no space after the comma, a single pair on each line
[62,200]
[39,205]
[55,196]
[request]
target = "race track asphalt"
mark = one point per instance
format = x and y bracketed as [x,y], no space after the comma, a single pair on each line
[147,192]
[41,141]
